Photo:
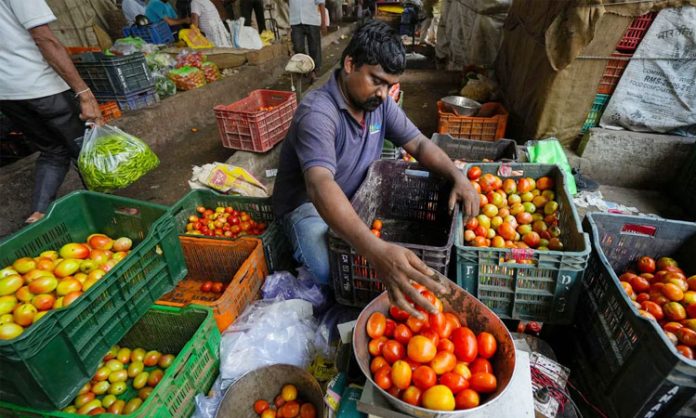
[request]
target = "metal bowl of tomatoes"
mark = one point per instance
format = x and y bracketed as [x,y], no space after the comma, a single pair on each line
[386,349]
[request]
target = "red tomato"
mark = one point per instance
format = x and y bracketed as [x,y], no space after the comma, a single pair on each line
[207,286]
[437,303]
[376,325]
[639,284]
[415,324]
[398,314]
[438,322]
[389,328]
[487,345]
[646,265]
[401,374]
[686,351]
[393,351]
[260,406]
[481,365]
[653,308]
[377,363]
[467,399]
[443,362]
[455,382]
[452,318]
[483,382]
[383,378]
[424,377]
[474,173]
[412,396]
[421,349]
[218,287]
[402,334]
[445,345]
[376,233]
[394,391]
[375,345]
[431,335]
[377,224]
[465,344]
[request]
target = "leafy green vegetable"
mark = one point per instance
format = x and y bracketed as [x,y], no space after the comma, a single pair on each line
[112,159]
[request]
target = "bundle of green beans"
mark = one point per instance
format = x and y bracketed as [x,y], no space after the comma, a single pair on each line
[112,159]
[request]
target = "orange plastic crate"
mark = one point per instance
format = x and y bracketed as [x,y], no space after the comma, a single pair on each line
[243,125]
[612,73]
[239,264]
[474,127]
[110,111]
[76,50]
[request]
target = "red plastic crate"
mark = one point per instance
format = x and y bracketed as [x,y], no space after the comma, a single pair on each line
[613,72]
[635,32]
[110,111]
[244,126]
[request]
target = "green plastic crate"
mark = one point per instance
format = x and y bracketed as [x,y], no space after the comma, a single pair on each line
[46,365]
[191,334]
[275,245]
[600,102]
[390,151]
[544,291]
[625,362]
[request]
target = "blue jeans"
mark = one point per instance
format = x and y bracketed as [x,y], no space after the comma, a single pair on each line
[308,235]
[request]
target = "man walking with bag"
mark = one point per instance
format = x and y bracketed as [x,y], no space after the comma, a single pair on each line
[308,23]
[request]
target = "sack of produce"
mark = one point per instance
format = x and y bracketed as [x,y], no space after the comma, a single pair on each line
[211,71]
[111,159]
[187,78]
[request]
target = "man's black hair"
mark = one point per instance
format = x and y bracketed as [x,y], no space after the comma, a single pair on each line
[375,42]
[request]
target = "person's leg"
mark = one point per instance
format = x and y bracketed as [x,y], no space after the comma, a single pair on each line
[246,6]
[314,45]
[260,17]
[297,35]
[53,124]
[308,235]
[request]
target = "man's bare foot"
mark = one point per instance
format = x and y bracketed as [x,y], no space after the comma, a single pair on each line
[34,217]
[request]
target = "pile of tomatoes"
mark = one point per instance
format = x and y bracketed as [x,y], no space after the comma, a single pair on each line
[662,292]
[285,405]
[266,108]
[210,286]
[223,222]
[514,214]
[435,363]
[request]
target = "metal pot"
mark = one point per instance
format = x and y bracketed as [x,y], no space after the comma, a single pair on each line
[462,106]
[473,314]
[265,383]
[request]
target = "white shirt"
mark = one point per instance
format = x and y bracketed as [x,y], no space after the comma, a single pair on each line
[305,12]
[132,8]
[210,23]
[24,73]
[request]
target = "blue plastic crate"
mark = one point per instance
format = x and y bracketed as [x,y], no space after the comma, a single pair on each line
[154,33]
[600,102]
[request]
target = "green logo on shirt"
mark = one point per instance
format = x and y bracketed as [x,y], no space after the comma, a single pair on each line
[375,128]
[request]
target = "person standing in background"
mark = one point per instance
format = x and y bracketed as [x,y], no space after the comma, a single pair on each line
[205,15]
[307,24]
[159,10]
[131,9]
[43,94]
[257,6]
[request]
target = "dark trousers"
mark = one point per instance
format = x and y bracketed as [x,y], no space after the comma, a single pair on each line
[310,35]
[53,124]
[247,6]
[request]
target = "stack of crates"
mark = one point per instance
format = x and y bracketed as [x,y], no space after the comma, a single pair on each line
[47,365]
[123,79]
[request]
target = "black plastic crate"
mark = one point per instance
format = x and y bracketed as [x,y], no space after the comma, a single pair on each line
[413,205]
[475,150]
[133,101]
[114,75]
[624,360]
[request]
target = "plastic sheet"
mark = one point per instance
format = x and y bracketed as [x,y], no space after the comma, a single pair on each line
[285,286]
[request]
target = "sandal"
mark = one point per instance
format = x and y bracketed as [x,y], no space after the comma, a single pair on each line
[36,216]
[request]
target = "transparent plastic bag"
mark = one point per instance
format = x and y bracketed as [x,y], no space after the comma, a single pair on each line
[327,337]
[285,286]
[163,85]
[111,159]
[187,78]
[268,332]
[206,406]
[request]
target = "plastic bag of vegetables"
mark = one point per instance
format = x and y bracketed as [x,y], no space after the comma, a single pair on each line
[111,159]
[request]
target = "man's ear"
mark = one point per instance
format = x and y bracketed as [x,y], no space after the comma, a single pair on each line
[348,64]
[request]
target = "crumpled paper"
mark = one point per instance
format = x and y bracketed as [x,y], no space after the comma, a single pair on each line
[228,179]
[587,199]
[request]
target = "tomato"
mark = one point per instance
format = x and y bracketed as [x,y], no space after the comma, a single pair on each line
[642,297]
[269,413]
[455,382]
[437,323]
[260,406]
[465,344]
[424,377]
[401,374]
[412,395]
[383,378]
[481,365]
[445,345]
[452,318]
[398,314]
[375,345]
[439,398]
[443,362]
[376,325]
[402,334]
[389,328]
[467,399]
[394,391]
[674,311]
[646,264]
[415,324]
[377,224]
[434,300]
[640,284]
[376,233]
[686,351]
[393,351]
[218,287]
[377,363]
[462,369]
[672,292]
[279,401]
[431,335]
[307,410]
[291,409]
[487,345]
[672,326]
[653,308]
[421,349]
[687,337]
[473,173]
[483,382]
